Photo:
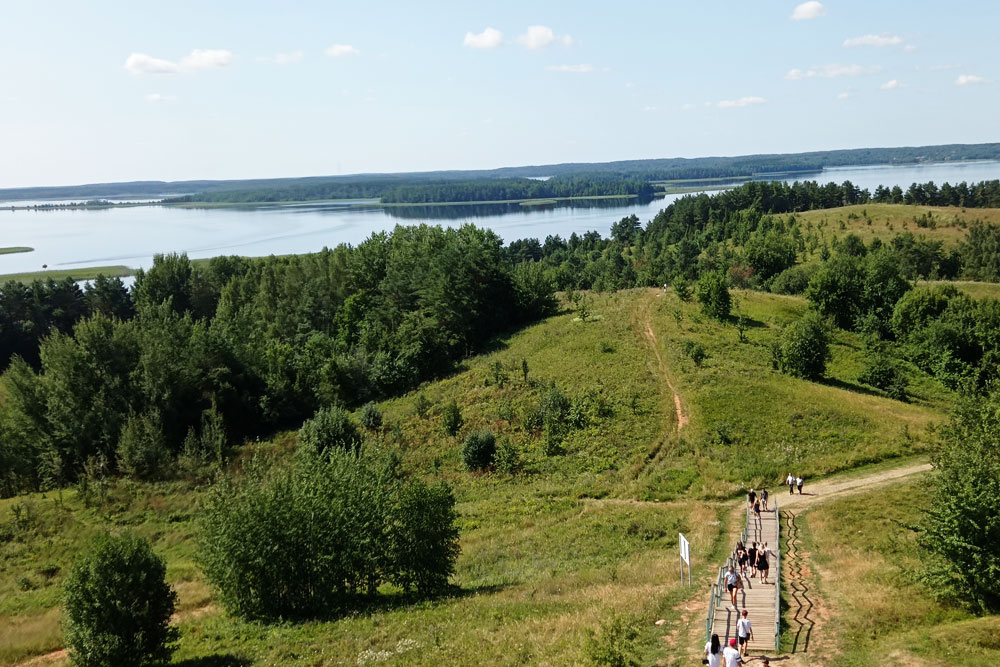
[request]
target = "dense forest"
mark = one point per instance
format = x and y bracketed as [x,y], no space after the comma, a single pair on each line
[192,359]
[434,191]
[373,185]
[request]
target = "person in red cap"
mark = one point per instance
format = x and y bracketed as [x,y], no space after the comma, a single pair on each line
[731,655]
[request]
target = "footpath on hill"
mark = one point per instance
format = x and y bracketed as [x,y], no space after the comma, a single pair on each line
[807,612]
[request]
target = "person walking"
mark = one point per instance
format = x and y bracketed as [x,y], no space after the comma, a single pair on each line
[744,632]
[798,483]
[732,580]
[790,481]
[751,498]
[763,499]
[756,510]
[713,652]
[763,565]
[752,559]
[742,558]
[731,656]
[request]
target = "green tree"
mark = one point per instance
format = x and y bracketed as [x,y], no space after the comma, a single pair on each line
[804,347]
[118,605]
[962,526]
[837,290]
[330,428]
[479,449]
[451,418]
[713,295]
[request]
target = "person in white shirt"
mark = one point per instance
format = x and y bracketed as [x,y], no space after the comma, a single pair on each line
[790,481]
[713,652]
[731,656]
[798,483]
[732,584]
[744,631]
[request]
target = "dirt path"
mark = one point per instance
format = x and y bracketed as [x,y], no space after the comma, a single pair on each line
[823,491]
[62,655]
[647,331]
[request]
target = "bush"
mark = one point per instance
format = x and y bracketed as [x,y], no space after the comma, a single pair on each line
[554,406]
[803,347]
[960,530]
[794,279]
[118,605]
[451,419]
[882,372]
[421,406]
[682,288]
[330,428]
[479,449]
[614,645]
[507,458]
[713,295]
[371,416]
[695,350]
[312,537]
[142,450]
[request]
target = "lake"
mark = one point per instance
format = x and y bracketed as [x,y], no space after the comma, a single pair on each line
[131,236]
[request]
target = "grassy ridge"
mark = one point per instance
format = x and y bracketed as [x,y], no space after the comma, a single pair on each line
[866,560]
[10,250]
[549,553]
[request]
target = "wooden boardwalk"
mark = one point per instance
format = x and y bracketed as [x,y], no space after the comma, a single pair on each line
[760,600]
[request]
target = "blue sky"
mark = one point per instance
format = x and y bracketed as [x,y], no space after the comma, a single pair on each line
[103,91]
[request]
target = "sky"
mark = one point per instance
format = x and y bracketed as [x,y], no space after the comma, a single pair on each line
[114,91]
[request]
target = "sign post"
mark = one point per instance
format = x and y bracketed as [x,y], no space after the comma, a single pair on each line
[685,548]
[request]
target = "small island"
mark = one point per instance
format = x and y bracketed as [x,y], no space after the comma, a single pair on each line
[15,248]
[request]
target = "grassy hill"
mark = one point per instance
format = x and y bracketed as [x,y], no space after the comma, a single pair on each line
[585,528]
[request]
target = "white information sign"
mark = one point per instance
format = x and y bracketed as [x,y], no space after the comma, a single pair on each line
[685,549]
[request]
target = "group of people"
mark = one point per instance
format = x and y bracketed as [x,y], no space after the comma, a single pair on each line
[731,656]
[754,558]
[757,503]
[794,481]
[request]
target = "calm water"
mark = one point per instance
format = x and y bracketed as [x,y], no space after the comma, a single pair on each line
[130,236]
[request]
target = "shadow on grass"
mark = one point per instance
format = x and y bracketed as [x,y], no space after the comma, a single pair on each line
[215,661]
[851,386]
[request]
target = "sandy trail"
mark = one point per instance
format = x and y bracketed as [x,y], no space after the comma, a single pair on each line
[647,330]
[823,491]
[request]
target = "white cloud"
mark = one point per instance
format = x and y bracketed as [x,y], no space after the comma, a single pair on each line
[909,48]
[688,106]
[742,102]
[156,97]
[874,40]
[629,84]
[648,108]
[490,38]
[206,59]
[283,58]
[831,71]
[808,10]
[341,50]
[539,36]
[969,80]
[577,69]
[843,96]
[891,84]
[942,68]
[140,63]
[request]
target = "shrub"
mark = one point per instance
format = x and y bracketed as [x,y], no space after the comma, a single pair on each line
[371,416]
[960,530]
[713,295]
[423,546]
[554,406]
[479,449]
[695,350]
[682,288]
[882,372]
[803,347]
[614,645]
[794,279]
[507,458]
[142,451]
[118,605]
[421,406]
[309,538]
[330,428]
[532,418]
[451,419]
